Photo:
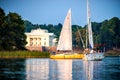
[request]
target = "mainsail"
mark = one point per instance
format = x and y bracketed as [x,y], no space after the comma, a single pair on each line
[65,39]
[91,54]
[89,27]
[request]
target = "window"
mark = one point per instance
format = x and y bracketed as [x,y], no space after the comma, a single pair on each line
[44,43]
[31,41]
[35,38]
[39,38]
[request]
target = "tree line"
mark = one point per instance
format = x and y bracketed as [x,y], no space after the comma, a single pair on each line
[12,29]
[105,34]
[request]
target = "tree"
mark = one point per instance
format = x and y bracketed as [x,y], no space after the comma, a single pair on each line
[76,39]
[58,30]
[28,26]
[12,30]
[16,29]
[115,28]
[96,32]
[2,23]
[110,34]
[2,17]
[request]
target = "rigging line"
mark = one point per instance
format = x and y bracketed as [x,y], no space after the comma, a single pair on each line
[81,37]
[86,36]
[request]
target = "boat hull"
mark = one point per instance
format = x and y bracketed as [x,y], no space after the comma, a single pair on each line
[93,56]
[67,56]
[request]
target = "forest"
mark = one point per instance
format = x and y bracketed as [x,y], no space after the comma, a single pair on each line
[12,28]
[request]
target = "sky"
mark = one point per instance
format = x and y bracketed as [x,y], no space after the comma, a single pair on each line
[55,11]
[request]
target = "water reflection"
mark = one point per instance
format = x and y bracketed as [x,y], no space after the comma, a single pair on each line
[50,69]
[37,69]
[60,70]
[88,70]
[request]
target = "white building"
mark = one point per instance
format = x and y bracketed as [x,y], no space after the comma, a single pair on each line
[40,37]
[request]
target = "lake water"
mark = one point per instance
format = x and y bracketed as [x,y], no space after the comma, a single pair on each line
[50,69]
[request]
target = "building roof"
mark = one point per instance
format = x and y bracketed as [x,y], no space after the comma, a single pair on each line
[40,32]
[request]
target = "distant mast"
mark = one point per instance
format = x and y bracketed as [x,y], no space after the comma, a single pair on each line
[91,45]
[65,39]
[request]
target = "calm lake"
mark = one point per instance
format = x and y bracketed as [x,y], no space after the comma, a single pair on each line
[50,69]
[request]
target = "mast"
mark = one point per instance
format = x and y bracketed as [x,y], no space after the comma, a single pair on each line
[65,39]
[89,27]
[81,38]
[86,37]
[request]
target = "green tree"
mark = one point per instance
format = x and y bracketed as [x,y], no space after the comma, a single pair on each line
[2,23]
[2,17]
[110,33]
[58,30]
[115,28]
[81,34]
[76,36]
[16,29]
[96,32]
[12,30]
[28,26]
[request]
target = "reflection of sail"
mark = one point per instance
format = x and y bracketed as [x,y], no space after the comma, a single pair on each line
[88,70]
[37,69]
[60,70]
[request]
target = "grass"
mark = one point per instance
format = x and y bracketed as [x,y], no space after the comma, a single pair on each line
[24,54]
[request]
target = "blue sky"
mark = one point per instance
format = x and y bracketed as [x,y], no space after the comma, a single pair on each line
[54,11]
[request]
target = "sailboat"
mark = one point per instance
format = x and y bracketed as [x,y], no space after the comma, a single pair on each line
[89,53]
[64,48]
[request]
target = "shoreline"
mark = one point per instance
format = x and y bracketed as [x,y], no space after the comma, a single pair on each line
[23,54]
[113,52]
[14,57]
[22,57]
[37,54]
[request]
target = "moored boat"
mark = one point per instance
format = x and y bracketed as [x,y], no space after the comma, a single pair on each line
[89,53]
[93,56]
[67,56]
[64,47]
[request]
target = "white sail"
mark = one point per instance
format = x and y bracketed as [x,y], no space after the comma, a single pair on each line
[93,54]
[91,45]
[65,39]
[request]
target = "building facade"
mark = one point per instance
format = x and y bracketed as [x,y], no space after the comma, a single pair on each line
[40,38]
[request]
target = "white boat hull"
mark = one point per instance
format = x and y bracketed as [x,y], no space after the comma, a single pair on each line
[93,56]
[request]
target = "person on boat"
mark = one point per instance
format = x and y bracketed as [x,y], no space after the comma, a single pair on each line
[92,51]
[86,51]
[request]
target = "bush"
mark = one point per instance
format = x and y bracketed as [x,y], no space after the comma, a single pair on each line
[23,54]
